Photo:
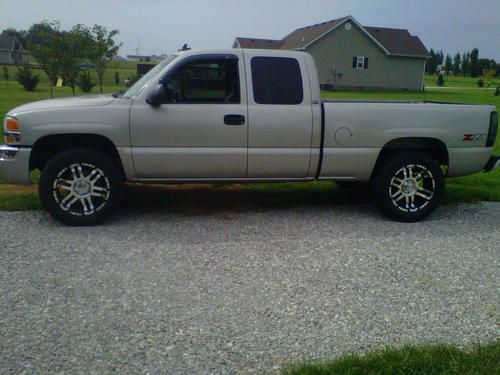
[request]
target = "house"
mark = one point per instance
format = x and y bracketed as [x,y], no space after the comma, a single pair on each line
[12,51]
[351,56]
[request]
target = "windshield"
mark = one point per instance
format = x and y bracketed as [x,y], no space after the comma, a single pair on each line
[136,87]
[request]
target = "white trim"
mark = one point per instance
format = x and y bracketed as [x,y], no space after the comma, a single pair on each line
[351,18]
[238,45]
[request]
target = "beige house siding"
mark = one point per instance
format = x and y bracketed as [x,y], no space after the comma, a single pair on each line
[337,49]
[7,57]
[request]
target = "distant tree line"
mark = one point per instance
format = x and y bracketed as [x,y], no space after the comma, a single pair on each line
[467,64]
[60,53]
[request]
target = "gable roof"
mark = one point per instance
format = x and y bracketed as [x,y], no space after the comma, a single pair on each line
[259,43]
[398,42]
[8,42]
[305,35]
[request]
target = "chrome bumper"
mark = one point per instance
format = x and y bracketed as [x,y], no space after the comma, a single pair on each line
[14,164]
[493,163]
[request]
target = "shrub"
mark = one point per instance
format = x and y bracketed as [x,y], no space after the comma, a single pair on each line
[497,91]
[26,78]
[440,80]
[117,77]
[480,82]
[6,73]
[84,81]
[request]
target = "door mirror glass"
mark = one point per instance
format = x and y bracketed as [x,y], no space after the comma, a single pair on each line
[157,96]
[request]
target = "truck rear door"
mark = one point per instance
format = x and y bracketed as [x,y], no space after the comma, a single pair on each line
[280,116]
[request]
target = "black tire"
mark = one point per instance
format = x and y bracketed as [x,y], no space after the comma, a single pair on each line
[408,187]
[80,186]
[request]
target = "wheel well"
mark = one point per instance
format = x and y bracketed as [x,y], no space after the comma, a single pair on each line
[48,146]
[431,146]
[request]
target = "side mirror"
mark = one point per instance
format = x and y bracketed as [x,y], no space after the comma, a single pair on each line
[157,96]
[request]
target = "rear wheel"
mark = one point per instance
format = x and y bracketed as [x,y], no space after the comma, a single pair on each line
[80,187]
[409,186]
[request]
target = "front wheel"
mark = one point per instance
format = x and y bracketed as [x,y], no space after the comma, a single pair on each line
[409,186]
[80,186]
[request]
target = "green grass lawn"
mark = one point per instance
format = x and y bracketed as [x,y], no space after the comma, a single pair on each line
[425,360]
[474,188]
[451,81]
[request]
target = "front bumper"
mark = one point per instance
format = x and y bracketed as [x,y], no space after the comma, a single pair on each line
[14,164]
[493,163]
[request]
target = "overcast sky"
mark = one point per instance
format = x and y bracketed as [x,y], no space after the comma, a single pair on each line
[163,26]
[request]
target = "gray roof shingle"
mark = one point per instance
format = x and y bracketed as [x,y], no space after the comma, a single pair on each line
[7,42]
[398,41]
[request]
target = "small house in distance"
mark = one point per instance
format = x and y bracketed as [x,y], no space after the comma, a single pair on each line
[12,51]
[351,56]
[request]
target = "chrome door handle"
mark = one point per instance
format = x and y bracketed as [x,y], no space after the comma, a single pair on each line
[234,119]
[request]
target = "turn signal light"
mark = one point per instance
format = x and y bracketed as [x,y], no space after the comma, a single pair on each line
[10,139]
[12,125]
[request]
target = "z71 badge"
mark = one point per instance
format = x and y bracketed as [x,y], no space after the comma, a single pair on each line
[474,137]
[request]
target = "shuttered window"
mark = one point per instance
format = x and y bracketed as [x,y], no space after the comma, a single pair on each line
[360,62]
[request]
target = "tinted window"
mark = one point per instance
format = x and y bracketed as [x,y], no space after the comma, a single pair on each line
[205,81]
[276,80]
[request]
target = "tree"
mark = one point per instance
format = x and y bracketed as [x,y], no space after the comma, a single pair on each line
[103,48]
[85,82]
[76,43]
[45,43]
[448,64]
[21,35]
[26,78]
[474,65]
[431,62]
[465,64]
[441,57]
[440,80]
[488,75]
[456,64]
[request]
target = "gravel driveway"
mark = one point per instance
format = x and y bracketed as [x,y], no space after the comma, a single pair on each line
[241,292]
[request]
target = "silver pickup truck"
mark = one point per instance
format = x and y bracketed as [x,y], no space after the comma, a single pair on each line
[240,115]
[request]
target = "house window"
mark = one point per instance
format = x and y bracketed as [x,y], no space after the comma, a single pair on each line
[360,62]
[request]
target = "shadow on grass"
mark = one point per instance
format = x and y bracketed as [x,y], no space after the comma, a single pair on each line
[208,199]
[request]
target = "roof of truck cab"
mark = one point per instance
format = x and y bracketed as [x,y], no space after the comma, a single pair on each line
[231,51]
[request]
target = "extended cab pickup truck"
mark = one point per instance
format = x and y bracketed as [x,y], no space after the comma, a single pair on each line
[240,115]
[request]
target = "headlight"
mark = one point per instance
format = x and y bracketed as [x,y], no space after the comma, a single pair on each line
[11,131]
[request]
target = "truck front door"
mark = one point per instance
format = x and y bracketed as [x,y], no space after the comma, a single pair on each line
[201,130]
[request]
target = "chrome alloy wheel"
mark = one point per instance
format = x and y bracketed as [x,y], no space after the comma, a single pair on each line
[412,188]
[81,189]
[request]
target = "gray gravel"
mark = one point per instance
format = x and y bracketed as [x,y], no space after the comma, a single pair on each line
[241,292]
